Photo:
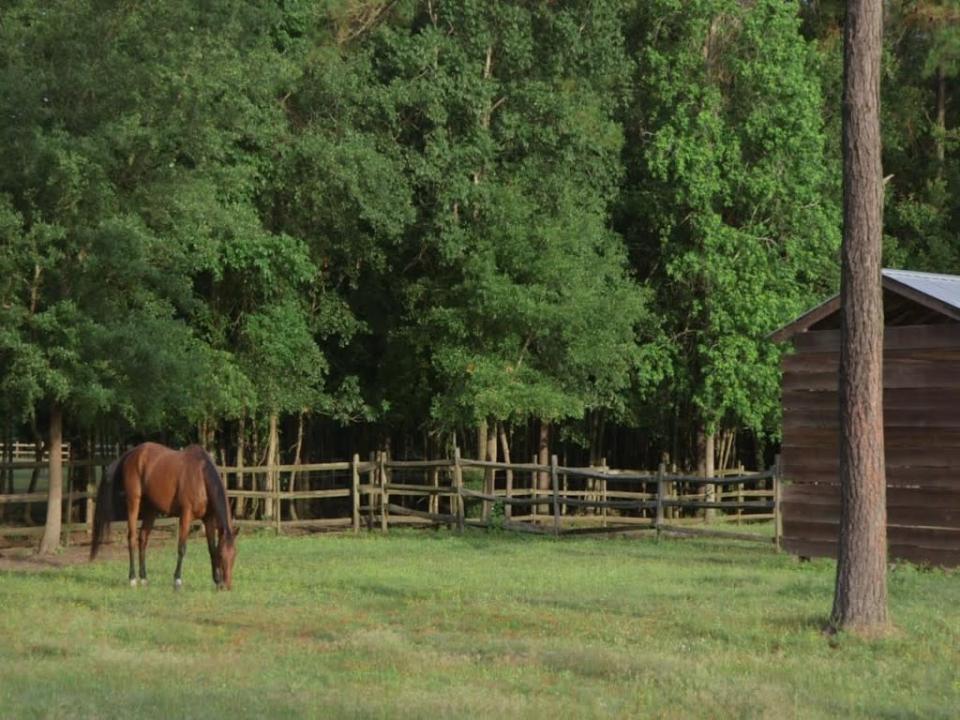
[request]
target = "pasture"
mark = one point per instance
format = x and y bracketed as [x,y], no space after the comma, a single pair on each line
[433,624]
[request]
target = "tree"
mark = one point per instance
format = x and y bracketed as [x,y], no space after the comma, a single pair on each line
[860,599]
[725,207]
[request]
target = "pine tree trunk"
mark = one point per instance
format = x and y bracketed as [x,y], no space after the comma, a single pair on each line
[51,532]
[860,600]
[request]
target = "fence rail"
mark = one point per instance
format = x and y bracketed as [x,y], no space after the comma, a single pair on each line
[380,493]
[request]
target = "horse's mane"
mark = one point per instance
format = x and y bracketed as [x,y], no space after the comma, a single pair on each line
[215,490]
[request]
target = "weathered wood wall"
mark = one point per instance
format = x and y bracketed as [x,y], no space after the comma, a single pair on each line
[922,443]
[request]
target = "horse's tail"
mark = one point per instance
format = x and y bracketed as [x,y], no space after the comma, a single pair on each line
[216,493]
[108,490]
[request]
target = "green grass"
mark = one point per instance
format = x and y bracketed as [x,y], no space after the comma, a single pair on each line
[434,625]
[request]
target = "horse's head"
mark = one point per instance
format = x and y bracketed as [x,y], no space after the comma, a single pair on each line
[226,554]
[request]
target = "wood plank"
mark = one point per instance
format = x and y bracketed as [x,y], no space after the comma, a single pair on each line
[926,478]
[826,457]
[823,531]
[827,439]
[822,362]
[907,507]
[905,337]
[898,375]
[896,497]
[924,556]
[893,398]
[934,417]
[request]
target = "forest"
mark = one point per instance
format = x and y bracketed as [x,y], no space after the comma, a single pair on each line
[319,227]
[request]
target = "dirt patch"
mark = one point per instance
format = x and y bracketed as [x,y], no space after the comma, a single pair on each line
[23,557]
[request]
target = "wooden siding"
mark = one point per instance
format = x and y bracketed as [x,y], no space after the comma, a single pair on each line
[922,443]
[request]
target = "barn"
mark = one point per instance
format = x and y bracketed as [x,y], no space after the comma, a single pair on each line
[921,396]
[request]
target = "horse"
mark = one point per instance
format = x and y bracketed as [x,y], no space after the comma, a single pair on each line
[183,483]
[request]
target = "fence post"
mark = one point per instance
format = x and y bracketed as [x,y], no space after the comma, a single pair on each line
[68,500]
[371,485]
[277,507]
[661,471]
[355,491]
[777,517]
[740,472]
[534,491]
[554,481]
[434,504]
[384,498]
[458,484]
[603,499]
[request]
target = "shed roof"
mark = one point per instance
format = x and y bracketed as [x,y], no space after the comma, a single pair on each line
[935,291]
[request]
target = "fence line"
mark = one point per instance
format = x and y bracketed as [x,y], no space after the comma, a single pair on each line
[379,493]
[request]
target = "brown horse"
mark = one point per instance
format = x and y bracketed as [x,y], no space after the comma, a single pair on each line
[183,483]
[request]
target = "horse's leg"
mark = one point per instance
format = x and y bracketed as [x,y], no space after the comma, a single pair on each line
[210,525]
[133,510]
[185,520]
[149,515]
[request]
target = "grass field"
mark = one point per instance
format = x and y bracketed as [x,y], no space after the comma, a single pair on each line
[433,625]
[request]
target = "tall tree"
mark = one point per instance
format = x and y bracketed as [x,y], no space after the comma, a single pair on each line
[860,599]
[725,208]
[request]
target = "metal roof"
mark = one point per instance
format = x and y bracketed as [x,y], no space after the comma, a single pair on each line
[945,288]
[936,291]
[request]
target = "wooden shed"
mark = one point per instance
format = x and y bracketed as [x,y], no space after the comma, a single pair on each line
[921,397]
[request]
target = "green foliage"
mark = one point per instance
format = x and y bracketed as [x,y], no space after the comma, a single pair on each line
[425,215]
[725,210]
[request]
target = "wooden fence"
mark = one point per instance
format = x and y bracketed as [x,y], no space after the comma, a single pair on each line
[380,493]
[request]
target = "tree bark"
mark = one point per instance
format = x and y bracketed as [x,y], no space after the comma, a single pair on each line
[51,532]
[489,476]
[543,458]
[482,441]
[860,599]
[505,445]
[709,470]
[296,461]
[272,479]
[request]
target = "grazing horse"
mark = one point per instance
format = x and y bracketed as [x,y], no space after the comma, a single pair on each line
[183,483]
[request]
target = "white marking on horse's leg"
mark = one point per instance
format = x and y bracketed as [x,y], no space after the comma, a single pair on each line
[133,582]
[177,583]
[143,582]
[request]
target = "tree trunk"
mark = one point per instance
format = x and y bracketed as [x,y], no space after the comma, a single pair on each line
[505,444]
[543,458]
[482,441]
[272,478]
[489,475]
[296,461]
[860,600]
[51,532]
[709,470]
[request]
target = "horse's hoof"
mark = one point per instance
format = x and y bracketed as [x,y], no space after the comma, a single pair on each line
[177,584]
[133,582]
[143,582]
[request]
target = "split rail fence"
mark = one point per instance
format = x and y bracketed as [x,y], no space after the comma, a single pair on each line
[380,493]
